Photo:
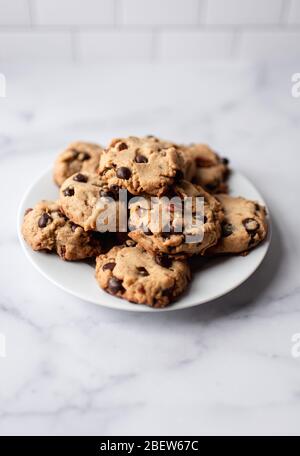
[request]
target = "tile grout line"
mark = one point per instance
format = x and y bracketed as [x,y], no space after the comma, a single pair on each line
[284,13]
[31,10]
[237,35]
[118,13]
[202,12]
[149,28]
[156,41]
[74,45]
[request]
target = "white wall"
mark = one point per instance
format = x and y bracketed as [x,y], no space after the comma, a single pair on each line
[148,30]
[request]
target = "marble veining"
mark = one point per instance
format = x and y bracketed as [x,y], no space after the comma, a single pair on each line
[222,368]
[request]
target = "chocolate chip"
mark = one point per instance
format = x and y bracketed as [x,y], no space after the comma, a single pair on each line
[123,173]
[179,175]
[28,210]
[141,159]
[251,225]
[74,226]
[130,243]
[115,285]
[109,266]
[141,289]
[212,186]
[83,156]
[163,260]
[227,229]
[80,178]
[111,192]
[168,291]
[69,191]
[225,161]
[44,219]
[142,271]
[106,194]
[123,146]
[252,241]
[114,188]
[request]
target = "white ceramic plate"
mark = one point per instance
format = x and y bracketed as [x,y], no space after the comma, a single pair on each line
[213,278]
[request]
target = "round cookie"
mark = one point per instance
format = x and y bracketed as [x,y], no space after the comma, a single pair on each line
[77,157]
[140,165]
[204,167]
[244,225]
[136,275]
[169,230]
[46,228]
[85,198]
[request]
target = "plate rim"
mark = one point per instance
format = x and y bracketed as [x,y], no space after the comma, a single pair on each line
[130,307]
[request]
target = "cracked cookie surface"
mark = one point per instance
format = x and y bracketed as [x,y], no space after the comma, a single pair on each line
[206,168]
[168,229]
[244,226]
[46,228]
[84,198]
[140,165]
[136,275]
[77,157]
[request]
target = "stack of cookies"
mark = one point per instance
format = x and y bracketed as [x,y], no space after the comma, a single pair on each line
[146,258]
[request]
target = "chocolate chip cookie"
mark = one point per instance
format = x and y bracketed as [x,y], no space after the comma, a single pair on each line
[136,275]
[88,201]
[140,165]
[77,157]
[46,228]
[174,228]
[244,225]
[206,168]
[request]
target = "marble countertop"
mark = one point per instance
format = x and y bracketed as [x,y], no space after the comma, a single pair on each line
[226,367]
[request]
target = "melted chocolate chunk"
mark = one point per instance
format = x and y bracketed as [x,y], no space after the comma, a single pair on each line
[123,146]
[142,271]
[115,285]
[69,191]
[227,229]
[44,220]
[80,178]
[163,260]
[251,225]
[109,266]
[123,173]
[178,176]
[141,159]
[83,156]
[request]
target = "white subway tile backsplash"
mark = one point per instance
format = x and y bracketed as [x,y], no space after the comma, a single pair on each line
[243,11]
[33,46]
[160,12]
[270,45]
[73,12]
[14,12]
[113,45]
[147,30]
[294,12]
[196,45]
